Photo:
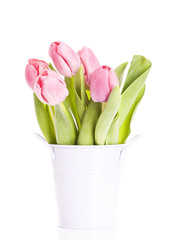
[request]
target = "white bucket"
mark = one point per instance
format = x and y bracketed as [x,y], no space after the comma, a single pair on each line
[87,180]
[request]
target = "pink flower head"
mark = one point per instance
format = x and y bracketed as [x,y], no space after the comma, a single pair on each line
[50,88]
[103,80]
[33,69]
[66,61]
[90,63]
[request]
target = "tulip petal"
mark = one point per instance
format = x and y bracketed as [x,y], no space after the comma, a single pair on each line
[113,79]
[89,62]
[38,90]
[33,69]
[50,88]
[99,86]
[61,64]
[30,74]
[54,91]
[69,56]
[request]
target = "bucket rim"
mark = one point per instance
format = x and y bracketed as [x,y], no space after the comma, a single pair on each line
[119,146]
[87,146]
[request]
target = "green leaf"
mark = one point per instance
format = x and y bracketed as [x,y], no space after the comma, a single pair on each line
[106,118]
[50,110]
[138,66]
[79,84]
[130,94]
[70,100]
[66,132]
[86,135]
[113,133]
[80,107]
[80,92]
[125,128]
[76,100]
[120,72]
[44,120]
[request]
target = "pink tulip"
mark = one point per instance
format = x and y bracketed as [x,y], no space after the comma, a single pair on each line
[66,61]
[50,88]
[90,63]
[33,69]
[103,80]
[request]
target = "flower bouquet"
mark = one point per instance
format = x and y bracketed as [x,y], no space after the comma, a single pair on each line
[85,118]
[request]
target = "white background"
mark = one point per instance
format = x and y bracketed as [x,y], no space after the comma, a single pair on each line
[115,30]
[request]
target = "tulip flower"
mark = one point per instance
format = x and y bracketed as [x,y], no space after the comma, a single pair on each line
[50,88]
[66,61]
[90,63]
[33,69]
[103,80]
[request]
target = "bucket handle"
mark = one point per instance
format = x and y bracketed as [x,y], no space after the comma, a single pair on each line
[41,138]
[45,143]
[132,140]
[129,143]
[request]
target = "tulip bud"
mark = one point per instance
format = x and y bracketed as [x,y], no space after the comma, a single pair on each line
[66,61]
[50,88]
[90,63]
[103,80]
[33,69]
